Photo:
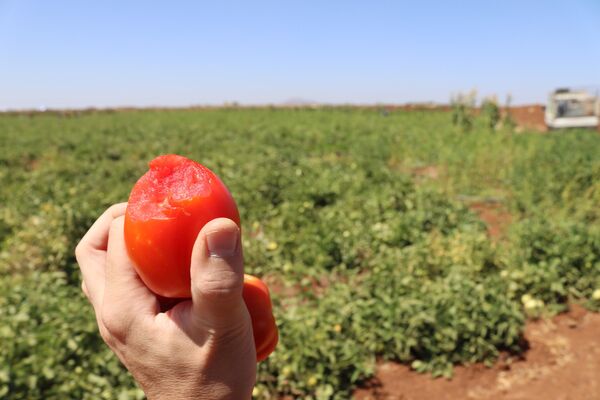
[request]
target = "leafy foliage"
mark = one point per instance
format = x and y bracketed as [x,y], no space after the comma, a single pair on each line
[371,258]
[490,113]
[463,110]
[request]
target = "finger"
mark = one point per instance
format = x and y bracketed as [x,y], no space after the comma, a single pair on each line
[96,237]
[217,272]
[125,295]
[91,256]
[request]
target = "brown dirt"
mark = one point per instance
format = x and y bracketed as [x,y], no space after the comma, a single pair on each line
[318,285]
[32,164]
[529,117]
[277,286]
[428,171]
[495,216]
[419,173]
[563,362]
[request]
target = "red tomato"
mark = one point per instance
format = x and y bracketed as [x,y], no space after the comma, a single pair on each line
[168,206]
[257,299]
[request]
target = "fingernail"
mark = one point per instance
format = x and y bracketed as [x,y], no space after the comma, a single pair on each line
[222,243]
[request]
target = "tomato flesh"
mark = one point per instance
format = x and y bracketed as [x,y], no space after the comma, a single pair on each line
[168,206]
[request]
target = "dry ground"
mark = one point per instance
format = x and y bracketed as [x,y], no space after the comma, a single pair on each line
[562,363]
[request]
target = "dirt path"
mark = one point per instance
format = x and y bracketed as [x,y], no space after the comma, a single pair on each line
[563,363]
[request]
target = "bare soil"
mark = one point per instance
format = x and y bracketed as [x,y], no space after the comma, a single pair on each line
[562,363]
[317,287]
[529,117]
[495,216]
[278,286]
[428,171]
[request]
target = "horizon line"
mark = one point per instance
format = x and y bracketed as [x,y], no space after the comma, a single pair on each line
[433,105]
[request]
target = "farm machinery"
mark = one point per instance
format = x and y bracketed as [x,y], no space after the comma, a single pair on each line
[572,109]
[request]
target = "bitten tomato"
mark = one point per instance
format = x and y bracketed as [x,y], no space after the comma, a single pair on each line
[168,206]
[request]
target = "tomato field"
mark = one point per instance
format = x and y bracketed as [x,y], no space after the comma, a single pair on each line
[367,224]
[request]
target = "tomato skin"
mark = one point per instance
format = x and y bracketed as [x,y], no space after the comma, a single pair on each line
[258,301]
[168,206]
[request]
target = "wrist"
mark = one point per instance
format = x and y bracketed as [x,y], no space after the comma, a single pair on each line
[195,389]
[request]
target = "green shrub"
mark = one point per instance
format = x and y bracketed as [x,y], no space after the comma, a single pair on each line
[463,110]
[50,345]
[490,113]
[556,262]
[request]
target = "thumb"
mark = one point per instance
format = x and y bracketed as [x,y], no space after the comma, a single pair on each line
[217,272]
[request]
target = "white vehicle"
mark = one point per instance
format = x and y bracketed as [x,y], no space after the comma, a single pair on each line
[572,109]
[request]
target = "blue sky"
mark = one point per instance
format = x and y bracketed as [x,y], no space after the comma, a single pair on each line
[177,53]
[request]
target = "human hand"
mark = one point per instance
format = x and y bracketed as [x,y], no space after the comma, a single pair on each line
[201,348]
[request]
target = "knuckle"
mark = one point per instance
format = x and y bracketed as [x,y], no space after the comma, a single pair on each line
[106,336]
[221,286]
[116,210]
[79,252]
[113,323]
[106,319]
